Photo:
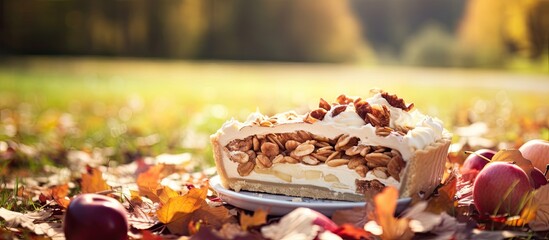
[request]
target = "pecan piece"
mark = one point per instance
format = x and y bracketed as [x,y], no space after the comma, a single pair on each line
[339,109]
[239,157]
[369,188]
[397,102]
[324,105]
[244,169]
[242,145]
[395,166]
[343,99]
[318,114]
[270,149]
[263,161]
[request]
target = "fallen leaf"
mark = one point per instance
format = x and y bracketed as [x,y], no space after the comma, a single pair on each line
[496,235]
[206,233]
[421,220]
[385,206]
[93,182]
[177,208]
[231,230]
[166,193]
[258,218]
[298,224]
[444,199]
[149,182]
[59,194]
[541,219]
[350,231]
[26,220]
[448,228]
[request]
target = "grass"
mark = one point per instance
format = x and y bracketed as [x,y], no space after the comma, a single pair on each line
[49,106]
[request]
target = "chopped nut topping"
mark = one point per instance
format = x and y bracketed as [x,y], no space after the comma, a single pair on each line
[397,102]
[343,99]
[318,114]
[339,109]
[324,105]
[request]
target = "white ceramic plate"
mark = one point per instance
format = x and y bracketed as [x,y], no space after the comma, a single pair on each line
[280,204]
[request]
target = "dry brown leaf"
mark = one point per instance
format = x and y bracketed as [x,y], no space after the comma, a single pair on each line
[541,219]
[444,200]
[93,182]
[385,206]
[149,182]
[26,220]
[59,194]
[258,218]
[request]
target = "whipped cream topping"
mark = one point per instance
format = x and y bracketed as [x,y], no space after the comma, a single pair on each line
[348,118]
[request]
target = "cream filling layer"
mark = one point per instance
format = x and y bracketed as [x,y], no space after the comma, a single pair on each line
[338,179]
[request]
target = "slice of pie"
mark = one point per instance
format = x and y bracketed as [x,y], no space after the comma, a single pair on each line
[346,150]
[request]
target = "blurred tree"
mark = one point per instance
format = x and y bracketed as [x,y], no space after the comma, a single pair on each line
[432,46]
[389,24]
[321,30]
[291,30]
[491,30]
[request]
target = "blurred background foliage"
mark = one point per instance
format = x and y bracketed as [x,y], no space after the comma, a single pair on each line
[450,33]
[124,79]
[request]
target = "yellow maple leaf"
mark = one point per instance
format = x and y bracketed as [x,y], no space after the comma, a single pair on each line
[93,182]
[259,217]
[177,208]
[149,182]
[166,193]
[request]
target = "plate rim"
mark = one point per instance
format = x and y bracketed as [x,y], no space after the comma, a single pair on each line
[215,182]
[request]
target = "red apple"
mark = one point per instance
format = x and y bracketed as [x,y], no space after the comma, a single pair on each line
[538,178]
[499,188]
[94,216]
[475,161]
[537,151]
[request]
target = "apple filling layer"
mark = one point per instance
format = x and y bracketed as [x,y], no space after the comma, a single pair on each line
[271,154]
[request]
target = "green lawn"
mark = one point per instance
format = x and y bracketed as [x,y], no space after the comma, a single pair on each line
[167,106]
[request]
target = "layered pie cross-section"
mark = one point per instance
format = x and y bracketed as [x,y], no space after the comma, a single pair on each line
[348,150]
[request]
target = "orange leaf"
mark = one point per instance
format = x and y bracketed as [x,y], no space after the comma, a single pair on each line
[166,193]
[59,194]
[258,218]
[177,207]
[385,204]
[350,231]
[149,182]
[93,182]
